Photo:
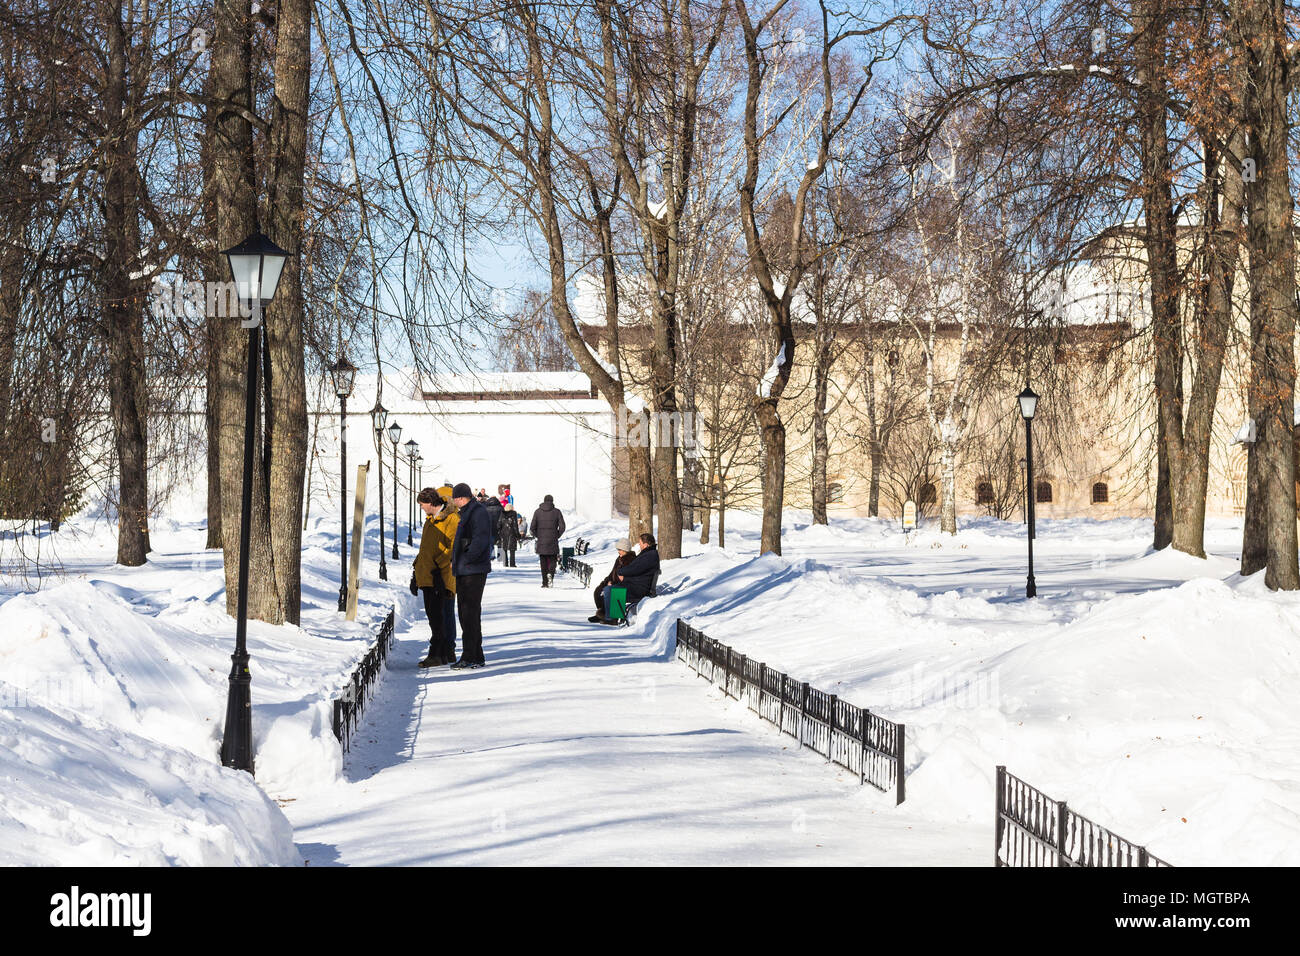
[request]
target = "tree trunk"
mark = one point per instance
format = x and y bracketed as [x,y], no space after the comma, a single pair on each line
[1272,288]
[640,509]
[124,300]
[948,468]
[236,209]
[772,431]
[820,450]
[722,517]
[287,410]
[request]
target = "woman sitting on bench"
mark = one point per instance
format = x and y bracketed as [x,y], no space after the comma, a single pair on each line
[638,576]
[625,557]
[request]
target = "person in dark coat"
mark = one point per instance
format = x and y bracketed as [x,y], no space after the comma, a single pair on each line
[625,557]
[508,534]
[471,562]
[547,526]
[639,575]
[494,511]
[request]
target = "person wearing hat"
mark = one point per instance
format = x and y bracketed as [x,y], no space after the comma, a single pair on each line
[508,534]
[471,562]
[433,581]
[445,523]
[625,556]
[547,526]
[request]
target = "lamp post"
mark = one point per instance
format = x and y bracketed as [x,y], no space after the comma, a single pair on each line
[378,416]
[395,435]
[1028,405]
[343,372]
[412,449]
[255,265]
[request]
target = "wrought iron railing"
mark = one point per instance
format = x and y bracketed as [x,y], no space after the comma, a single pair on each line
[1032,829]
[845,734]
[360,687]
[579,569]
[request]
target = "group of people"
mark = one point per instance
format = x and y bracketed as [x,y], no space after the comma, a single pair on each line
[633,571]
[463,534]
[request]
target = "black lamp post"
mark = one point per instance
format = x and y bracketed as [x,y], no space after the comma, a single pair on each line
[412,449]
[378,416]
[1028,405]
[395,435]
[255,265]
[343,372]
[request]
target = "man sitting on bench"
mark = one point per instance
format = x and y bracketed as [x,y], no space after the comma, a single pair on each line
[638,577]
[625,557]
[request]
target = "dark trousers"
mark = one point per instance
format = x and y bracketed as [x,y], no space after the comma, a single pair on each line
[548,563]
[449,623]
[434,601]
[508,553]
[599,595]
[469,606]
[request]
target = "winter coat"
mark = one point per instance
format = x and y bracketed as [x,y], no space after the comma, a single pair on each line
[424,562]
[639,575]
[508,530]
[622,561]
[547,526]
[471,551]
[444,534]
[495,510]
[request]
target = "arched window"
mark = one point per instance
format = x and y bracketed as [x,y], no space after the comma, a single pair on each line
[1043,492]
[1100,493]
[984,493]
[835,491]
[928,495]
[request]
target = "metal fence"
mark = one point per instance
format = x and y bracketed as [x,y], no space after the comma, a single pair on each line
[1032,829]
[579,569]
[360,688]
[851,736]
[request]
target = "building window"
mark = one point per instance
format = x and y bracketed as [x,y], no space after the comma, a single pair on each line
[928,496]
[984,493]
[835,492]
[1100,493]
[1043,493]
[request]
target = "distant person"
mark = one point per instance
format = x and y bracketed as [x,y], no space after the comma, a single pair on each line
[445,524]
[547,527]
[506,497]
[434,581]
[471,562]
[508,534]
[639,575]
[494,510]
[625,557]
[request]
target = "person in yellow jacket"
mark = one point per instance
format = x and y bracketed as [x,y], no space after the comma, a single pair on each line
[433,578]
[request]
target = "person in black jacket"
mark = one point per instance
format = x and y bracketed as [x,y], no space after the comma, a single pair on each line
[508,534]
[494,511]
[547,527]
[471,562]
[639,574]
[625,557]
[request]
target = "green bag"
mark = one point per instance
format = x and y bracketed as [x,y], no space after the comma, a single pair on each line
[617,604]
[566,552]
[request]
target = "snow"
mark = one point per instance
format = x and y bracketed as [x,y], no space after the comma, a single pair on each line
[1153,691]
[769,377]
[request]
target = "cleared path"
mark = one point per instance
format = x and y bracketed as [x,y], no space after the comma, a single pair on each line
[572,747]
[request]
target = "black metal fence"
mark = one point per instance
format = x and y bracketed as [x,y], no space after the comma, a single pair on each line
[851,736]
[1032,829]
[360,688]
[579,569]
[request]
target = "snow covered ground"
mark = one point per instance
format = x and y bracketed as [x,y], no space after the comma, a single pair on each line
[1154,692]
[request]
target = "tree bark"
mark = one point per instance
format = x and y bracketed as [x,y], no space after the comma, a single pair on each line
[123,297]
[287,409]
[1272,290]
[236,210]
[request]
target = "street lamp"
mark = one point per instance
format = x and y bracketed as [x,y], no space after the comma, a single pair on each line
[378,416]
[344,373]
[412,449]
[395,435]
[1029,405]
[255,265]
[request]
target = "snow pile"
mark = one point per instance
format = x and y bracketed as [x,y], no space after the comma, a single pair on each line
[1152,694]
[115,682]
